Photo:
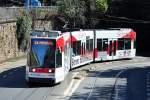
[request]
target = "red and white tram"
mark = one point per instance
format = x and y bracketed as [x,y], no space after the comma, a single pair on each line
[52,54]
[114,44]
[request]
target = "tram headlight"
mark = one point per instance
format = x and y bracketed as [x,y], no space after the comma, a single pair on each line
[33,70]
[49,70]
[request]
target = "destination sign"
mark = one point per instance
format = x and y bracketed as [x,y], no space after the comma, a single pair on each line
[43,42]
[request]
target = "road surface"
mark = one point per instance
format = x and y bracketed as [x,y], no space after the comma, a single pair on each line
[118,80]
[14,87]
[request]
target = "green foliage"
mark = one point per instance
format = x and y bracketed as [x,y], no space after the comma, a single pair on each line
[72,9]
[102,5]
[24,24]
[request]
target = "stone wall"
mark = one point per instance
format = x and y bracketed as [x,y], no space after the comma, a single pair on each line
[42,24]
[8,41]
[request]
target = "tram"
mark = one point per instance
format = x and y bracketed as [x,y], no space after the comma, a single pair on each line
[52,54]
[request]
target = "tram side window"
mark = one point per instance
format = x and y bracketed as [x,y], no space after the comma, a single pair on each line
[84,47]
[87,45]
[99,44]
[105,44]
[91,44]
[58,58]
[121,44]
[127,43]
[76,48]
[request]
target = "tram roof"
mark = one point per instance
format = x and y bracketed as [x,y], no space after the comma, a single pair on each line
[45,34]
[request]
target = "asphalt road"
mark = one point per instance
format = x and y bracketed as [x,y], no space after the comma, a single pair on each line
[118,82]
[14,87]
[133,84]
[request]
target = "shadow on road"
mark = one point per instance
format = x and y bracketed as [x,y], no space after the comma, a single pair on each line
[147,54]
[134,89]
[15,78]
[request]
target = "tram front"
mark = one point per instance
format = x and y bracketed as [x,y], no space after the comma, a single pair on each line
[44,61]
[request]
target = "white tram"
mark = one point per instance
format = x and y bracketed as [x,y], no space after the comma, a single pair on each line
[114,44]
[52,54]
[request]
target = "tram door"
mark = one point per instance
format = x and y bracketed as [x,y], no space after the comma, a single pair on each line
[112,48]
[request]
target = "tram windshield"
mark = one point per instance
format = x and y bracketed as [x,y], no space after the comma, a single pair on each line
[42,53]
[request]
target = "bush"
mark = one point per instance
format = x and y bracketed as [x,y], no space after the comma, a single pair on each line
[102,5]
[24,24]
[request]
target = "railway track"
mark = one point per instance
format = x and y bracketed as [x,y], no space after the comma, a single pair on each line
[115,90]
[114,94]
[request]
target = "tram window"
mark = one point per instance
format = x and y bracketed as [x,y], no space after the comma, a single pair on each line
[91,44]
[127,43]
[84,48]
[105,44]
[76,47]
[99,44]
[88,45]
[58,58]
[121,44]
[33,60]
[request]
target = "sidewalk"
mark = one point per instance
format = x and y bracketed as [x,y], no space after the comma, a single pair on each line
[12,64]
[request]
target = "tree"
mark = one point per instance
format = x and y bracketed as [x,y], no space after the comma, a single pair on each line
[102,5]
[24,24]
[73,10]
